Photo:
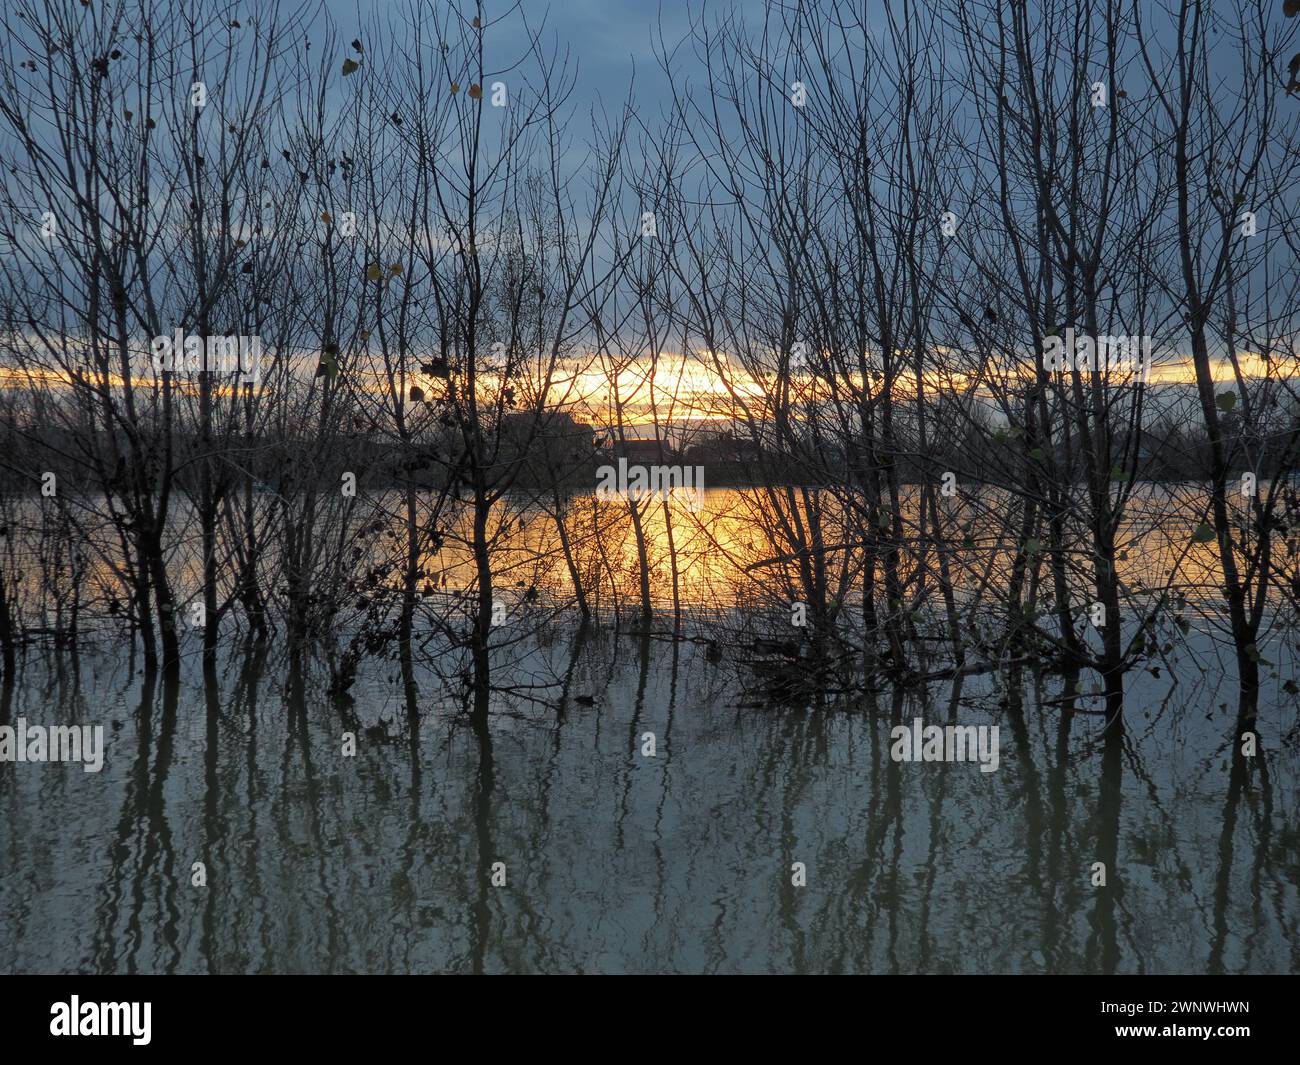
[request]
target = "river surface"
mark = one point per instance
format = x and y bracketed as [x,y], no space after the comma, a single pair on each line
[552,842]
[614,861]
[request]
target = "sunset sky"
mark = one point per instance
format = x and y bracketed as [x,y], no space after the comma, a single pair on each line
[686,389]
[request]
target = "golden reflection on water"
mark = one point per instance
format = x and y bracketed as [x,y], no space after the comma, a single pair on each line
[738,546]
[723,548]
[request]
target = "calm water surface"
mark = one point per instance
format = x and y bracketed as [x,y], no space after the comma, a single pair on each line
[615,862]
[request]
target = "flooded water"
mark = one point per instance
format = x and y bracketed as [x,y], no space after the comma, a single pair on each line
[725,547]
[613,860]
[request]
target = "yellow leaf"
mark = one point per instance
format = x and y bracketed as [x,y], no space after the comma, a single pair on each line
[373,272]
